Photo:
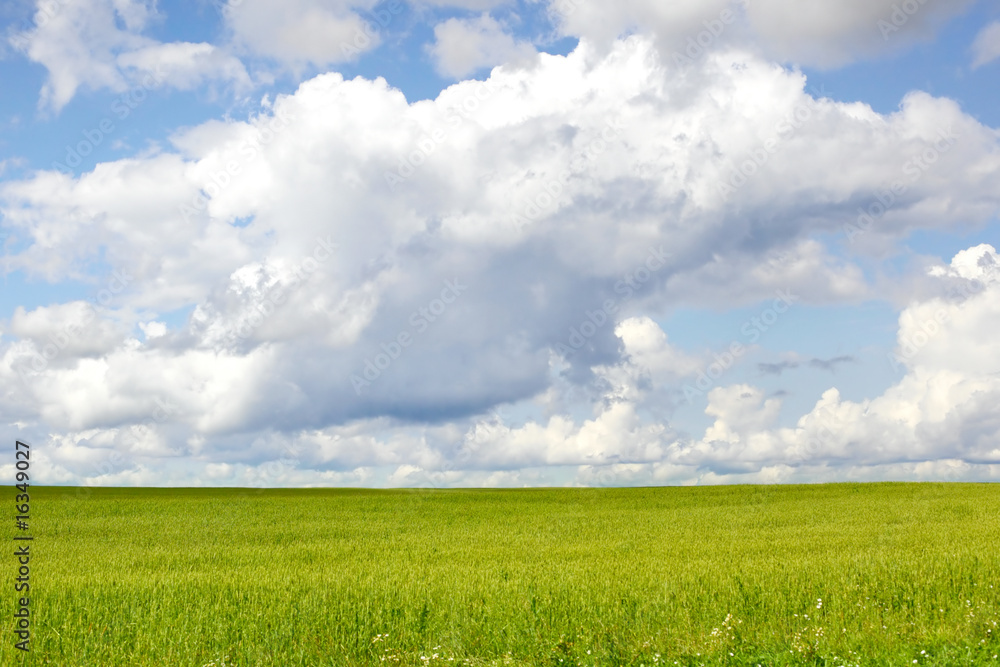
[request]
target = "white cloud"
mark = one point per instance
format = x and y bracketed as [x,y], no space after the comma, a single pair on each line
[986,47]
[944,408]
[185,65]
[646,347]
[603,22]
[831,34]
[76,328]
[99,44]
[297,32]
[462,46]
[939,422]
[483,227]
[816,33]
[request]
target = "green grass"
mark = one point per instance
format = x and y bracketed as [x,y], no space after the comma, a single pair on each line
[715,576]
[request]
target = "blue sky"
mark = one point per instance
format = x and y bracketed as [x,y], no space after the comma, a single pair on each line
[284,200]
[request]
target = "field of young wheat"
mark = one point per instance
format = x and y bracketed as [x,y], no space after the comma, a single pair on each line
[844,574]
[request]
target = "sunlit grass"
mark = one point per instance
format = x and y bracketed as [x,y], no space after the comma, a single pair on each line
[846,574]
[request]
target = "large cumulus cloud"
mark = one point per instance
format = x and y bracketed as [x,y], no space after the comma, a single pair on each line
[366,278]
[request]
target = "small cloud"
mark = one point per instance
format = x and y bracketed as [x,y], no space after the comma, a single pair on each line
[297,32]
[986,47]
[14,162]
[829,364]
[463,46]
[100,44]
[778,368]
[824,364]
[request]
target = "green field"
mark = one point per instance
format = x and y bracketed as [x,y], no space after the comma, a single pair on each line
[843,574]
